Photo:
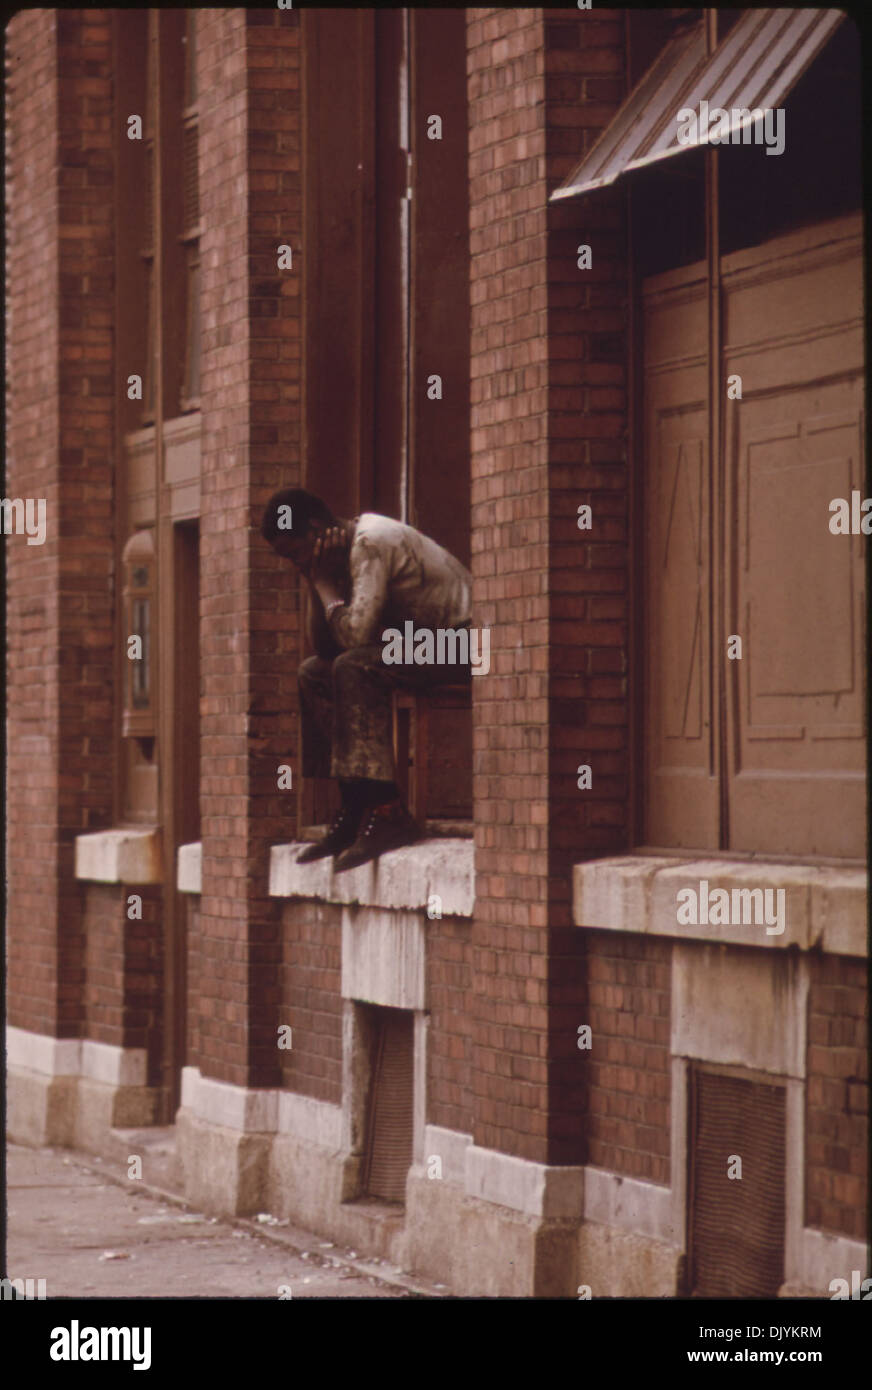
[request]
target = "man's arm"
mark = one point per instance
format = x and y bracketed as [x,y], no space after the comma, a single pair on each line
[354,612]
[321,639]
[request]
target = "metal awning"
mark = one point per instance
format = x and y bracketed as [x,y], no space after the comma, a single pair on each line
[753,68]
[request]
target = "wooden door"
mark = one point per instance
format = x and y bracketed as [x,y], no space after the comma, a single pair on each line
[681,717]
[793,329]
[764,753]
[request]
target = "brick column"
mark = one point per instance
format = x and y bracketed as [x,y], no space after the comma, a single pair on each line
[248,77]
[60,448]
[547,433]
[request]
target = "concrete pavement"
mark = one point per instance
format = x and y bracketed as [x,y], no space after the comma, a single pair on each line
[90,1231]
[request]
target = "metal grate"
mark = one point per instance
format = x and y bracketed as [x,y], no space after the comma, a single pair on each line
[389,1141]
[736,1224]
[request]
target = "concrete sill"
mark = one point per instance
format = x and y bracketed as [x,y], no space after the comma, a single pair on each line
[120,856]
[406,878]
[189,868]
[433,830]
[825,906]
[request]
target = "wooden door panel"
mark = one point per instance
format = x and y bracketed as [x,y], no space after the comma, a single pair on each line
[682,800]
[796,781]
[797,754]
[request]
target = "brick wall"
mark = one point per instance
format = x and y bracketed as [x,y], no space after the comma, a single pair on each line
[248,75]
[628,1065]
[449,1046]
[124,971]
[311,1001]
[546,434]
[837,1105]
[59,447]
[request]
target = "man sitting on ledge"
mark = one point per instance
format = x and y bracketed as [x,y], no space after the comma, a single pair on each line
[364,576]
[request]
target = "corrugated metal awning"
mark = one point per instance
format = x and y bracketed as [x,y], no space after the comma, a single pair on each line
[753,68]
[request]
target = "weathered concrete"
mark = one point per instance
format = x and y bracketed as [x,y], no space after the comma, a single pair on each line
[189,871]
[619,1264]
[101,1108]
[40,1109]
[67,1214]
[224,1171]
[825,906]
[481,1249]
[384,957]
[119,856]
[405,878]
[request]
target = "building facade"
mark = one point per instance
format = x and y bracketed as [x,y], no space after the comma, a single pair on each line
[604,1027]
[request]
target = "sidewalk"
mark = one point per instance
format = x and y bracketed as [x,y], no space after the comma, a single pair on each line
[90,1231]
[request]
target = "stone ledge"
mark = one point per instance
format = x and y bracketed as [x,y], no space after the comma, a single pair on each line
[36,1052]
[450,1146]
[258,1111]
[823,1256]
[189,868]
[628,1204]
[405,878]
[231,1107]
[120,856]
[534,1189]
[114,1066]
[825,906]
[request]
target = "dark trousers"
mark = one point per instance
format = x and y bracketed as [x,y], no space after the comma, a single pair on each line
[345,707]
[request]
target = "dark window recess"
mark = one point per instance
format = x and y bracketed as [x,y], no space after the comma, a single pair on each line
[818,175]
[667,203]
[736,1237]
[389,1122]
[191,178]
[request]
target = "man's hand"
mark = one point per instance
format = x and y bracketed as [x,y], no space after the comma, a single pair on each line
[328,571]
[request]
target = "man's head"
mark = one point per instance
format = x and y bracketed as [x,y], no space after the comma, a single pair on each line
[293,521]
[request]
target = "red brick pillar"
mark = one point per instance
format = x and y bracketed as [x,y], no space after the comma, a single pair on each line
[547,434]
[248,76]
[59,447]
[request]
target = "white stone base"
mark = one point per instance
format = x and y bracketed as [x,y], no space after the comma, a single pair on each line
[72,1092]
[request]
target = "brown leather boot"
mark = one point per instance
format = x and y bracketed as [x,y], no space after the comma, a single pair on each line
[340,834]
[383,828]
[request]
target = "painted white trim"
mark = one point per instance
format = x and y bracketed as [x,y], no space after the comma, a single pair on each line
[384,957]
[119,856]
[629,1204]
[26,1051]
[114,1066]
[404,878]
[189,868]
[825,906]
[533,1188]
[450,1145]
